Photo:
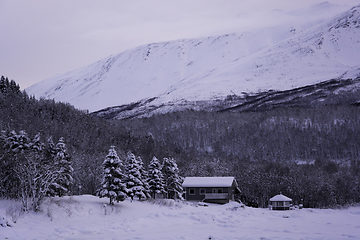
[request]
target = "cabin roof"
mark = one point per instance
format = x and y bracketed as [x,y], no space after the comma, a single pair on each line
[208,181]
[280,198]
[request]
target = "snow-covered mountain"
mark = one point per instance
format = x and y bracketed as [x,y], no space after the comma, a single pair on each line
[167,75]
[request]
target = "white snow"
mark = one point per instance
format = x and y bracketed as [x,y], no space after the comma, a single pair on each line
[208,181]
[279,57]
[89,217]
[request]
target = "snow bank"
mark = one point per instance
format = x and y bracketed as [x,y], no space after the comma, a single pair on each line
[89,217]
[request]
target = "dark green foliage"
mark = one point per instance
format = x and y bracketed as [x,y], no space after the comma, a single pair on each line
[27,173]
[311,154]
[87,137]
[156,178]
[64,171]
[113,184]
[135,180]
[173,180]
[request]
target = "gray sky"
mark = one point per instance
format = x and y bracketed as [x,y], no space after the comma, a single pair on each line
[42,38]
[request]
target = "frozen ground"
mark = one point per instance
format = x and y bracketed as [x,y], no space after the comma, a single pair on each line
[88,217]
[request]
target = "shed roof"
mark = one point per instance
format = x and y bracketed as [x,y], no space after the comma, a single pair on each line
[280,198]
[208,181]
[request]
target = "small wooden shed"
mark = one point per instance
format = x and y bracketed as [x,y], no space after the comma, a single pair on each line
[210,189]
[280,202]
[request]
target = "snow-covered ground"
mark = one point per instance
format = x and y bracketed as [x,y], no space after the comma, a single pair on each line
[89,217]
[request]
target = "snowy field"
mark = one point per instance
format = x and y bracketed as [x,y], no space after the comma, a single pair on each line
[89,217]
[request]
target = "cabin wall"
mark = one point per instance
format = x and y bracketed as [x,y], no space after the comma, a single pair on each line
[198,193]
[280,205]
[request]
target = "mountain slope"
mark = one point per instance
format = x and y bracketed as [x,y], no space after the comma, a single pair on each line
[173,73]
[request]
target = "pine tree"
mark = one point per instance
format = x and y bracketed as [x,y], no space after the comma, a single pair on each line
[135,183]
[144,177]
[36,144]
[112,184]
[156,178]
[51,149]
[17,142]
[173,181]
[62,170]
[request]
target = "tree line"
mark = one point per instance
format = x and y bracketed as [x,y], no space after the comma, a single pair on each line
[309,154]
[122,179]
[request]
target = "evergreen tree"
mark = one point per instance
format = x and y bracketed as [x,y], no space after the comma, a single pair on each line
[135,183]
[36,144]
[173,180]
[51,149]
[144,176]
[17,142]
[112,184]
[62,170]
[156,178]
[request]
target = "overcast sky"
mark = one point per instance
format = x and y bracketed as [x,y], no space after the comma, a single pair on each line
[42,38]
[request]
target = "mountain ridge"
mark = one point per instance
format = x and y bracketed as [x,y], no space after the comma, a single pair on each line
[176,72]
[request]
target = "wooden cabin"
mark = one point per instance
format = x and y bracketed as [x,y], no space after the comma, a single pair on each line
[210,189]
[280,202]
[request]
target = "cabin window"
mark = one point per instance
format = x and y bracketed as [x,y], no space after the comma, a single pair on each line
[202,191]
[217,190]
[192,191]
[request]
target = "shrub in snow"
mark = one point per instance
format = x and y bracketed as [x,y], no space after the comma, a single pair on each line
[28,172]
[112,184]
[4,222]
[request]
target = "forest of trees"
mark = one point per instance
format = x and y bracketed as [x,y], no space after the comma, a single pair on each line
[309,154]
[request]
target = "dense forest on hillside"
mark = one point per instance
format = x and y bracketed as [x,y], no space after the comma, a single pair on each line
[309,154]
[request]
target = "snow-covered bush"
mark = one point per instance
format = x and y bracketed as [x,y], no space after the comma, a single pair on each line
[4,222]
[28,172]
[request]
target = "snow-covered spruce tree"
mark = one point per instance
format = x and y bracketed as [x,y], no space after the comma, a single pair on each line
[62,170]
[51,149]
[135,184]
[173,181]
[17,142]
[15,147]
[156,178]
[144,176]
[36,144]
[112,184]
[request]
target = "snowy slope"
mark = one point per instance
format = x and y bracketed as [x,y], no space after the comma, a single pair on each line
[279,58]
[88,217]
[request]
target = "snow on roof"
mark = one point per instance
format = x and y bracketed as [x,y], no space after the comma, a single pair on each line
[208,181]
[280,198]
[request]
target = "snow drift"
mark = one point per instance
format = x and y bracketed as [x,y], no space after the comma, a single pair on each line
[88,217]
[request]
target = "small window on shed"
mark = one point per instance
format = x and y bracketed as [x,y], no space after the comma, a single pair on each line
[202,191]
[192,191]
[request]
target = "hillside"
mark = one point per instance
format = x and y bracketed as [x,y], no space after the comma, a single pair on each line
[169,74]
